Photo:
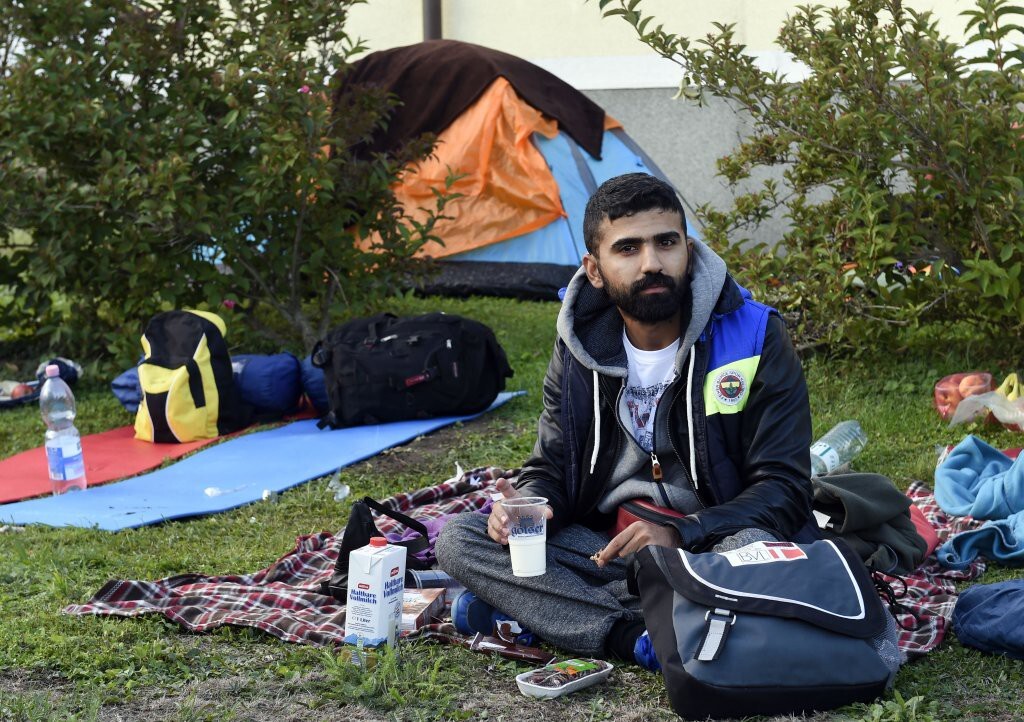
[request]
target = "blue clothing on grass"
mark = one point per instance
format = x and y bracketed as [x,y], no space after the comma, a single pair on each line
[978,480]
[987,617]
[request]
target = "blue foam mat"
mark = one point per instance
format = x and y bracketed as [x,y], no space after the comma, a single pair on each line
[241,469]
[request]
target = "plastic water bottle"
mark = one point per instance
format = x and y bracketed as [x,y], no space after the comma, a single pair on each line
[840,444]
[63,444]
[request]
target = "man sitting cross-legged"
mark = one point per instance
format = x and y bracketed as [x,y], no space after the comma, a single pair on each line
[667,383]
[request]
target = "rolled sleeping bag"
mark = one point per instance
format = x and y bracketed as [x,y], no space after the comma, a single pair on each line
[271,384]
[315,387]
[127,389]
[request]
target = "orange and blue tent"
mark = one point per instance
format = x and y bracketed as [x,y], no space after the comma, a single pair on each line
[528,148]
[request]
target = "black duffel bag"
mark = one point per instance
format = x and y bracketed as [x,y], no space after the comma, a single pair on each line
[384,368]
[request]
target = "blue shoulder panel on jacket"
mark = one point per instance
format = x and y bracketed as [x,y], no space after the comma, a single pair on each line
[740,334]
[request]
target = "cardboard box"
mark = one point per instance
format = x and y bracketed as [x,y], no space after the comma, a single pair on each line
[421,606]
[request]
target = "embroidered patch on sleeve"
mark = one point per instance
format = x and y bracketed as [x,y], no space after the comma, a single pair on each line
[729,387]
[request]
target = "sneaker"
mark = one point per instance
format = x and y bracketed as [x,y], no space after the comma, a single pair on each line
[471,614]
[643,653]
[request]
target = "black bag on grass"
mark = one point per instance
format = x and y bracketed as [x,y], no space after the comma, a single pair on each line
[769,628]
[358,532]
[384,368]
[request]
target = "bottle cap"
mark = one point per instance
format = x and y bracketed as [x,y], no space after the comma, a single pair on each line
[52,370]
[378,541]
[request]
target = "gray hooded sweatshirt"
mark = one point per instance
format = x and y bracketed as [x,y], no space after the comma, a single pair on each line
[591,328]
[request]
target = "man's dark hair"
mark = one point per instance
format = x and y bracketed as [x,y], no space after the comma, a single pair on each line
[625,195]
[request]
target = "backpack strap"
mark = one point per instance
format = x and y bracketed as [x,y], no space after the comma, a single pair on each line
[378,324]
[413,545]
[195,383]
[358,532]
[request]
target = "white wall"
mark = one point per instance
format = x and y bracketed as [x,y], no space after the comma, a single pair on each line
[573,40]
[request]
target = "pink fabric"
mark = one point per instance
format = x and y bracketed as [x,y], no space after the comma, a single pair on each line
[925,529]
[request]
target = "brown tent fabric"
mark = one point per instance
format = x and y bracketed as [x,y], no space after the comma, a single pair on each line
[437,80]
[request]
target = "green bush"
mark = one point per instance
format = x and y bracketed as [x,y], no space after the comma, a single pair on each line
[900,149]
[173,153]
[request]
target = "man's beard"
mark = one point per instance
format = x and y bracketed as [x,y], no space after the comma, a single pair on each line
[655,307]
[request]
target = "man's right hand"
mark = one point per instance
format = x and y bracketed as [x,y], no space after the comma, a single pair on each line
[497,522]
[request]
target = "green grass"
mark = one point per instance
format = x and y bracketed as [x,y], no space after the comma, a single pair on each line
[57,667]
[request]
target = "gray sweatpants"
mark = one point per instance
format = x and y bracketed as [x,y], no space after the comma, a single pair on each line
[573,605]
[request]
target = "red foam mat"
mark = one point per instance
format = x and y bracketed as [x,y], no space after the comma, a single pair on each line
[109,456]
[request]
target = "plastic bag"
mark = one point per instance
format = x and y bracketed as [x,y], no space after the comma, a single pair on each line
[951,390]
[1008,413]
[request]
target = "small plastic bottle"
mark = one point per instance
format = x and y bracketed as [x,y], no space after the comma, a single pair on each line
[840,444]
[63,443]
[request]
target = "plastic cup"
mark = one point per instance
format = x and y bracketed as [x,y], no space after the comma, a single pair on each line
[527,535]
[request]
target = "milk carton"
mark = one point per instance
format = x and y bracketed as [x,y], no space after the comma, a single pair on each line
[376,585]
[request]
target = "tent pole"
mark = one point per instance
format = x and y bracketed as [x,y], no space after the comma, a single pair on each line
[432,20]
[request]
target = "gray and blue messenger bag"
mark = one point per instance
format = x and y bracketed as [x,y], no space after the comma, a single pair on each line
[768,628]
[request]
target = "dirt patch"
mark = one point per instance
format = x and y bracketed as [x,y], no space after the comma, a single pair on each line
[229,698]
[487,696]
[491,699]
[486,693]
[424,451]
[23,682]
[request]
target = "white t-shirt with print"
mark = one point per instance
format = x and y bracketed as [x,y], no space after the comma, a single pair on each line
[650,373]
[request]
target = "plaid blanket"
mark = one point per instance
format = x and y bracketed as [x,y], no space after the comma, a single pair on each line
[284,600]
[926,598]
[470,491]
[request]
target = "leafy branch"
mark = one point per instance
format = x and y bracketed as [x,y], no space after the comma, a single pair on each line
[899,149]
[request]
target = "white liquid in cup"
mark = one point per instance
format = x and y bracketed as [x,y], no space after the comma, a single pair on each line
[529,557]
[528,534]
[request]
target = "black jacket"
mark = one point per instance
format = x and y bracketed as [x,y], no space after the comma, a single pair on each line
[753,466]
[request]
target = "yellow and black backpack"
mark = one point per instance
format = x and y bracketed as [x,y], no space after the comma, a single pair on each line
[188,391]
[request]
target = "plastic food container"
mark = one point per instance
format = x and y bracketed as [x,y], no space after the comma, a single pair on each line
[559,678]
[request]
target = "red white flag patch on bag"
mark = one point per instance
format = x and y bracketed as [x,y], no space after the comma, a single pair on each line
[764,553]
